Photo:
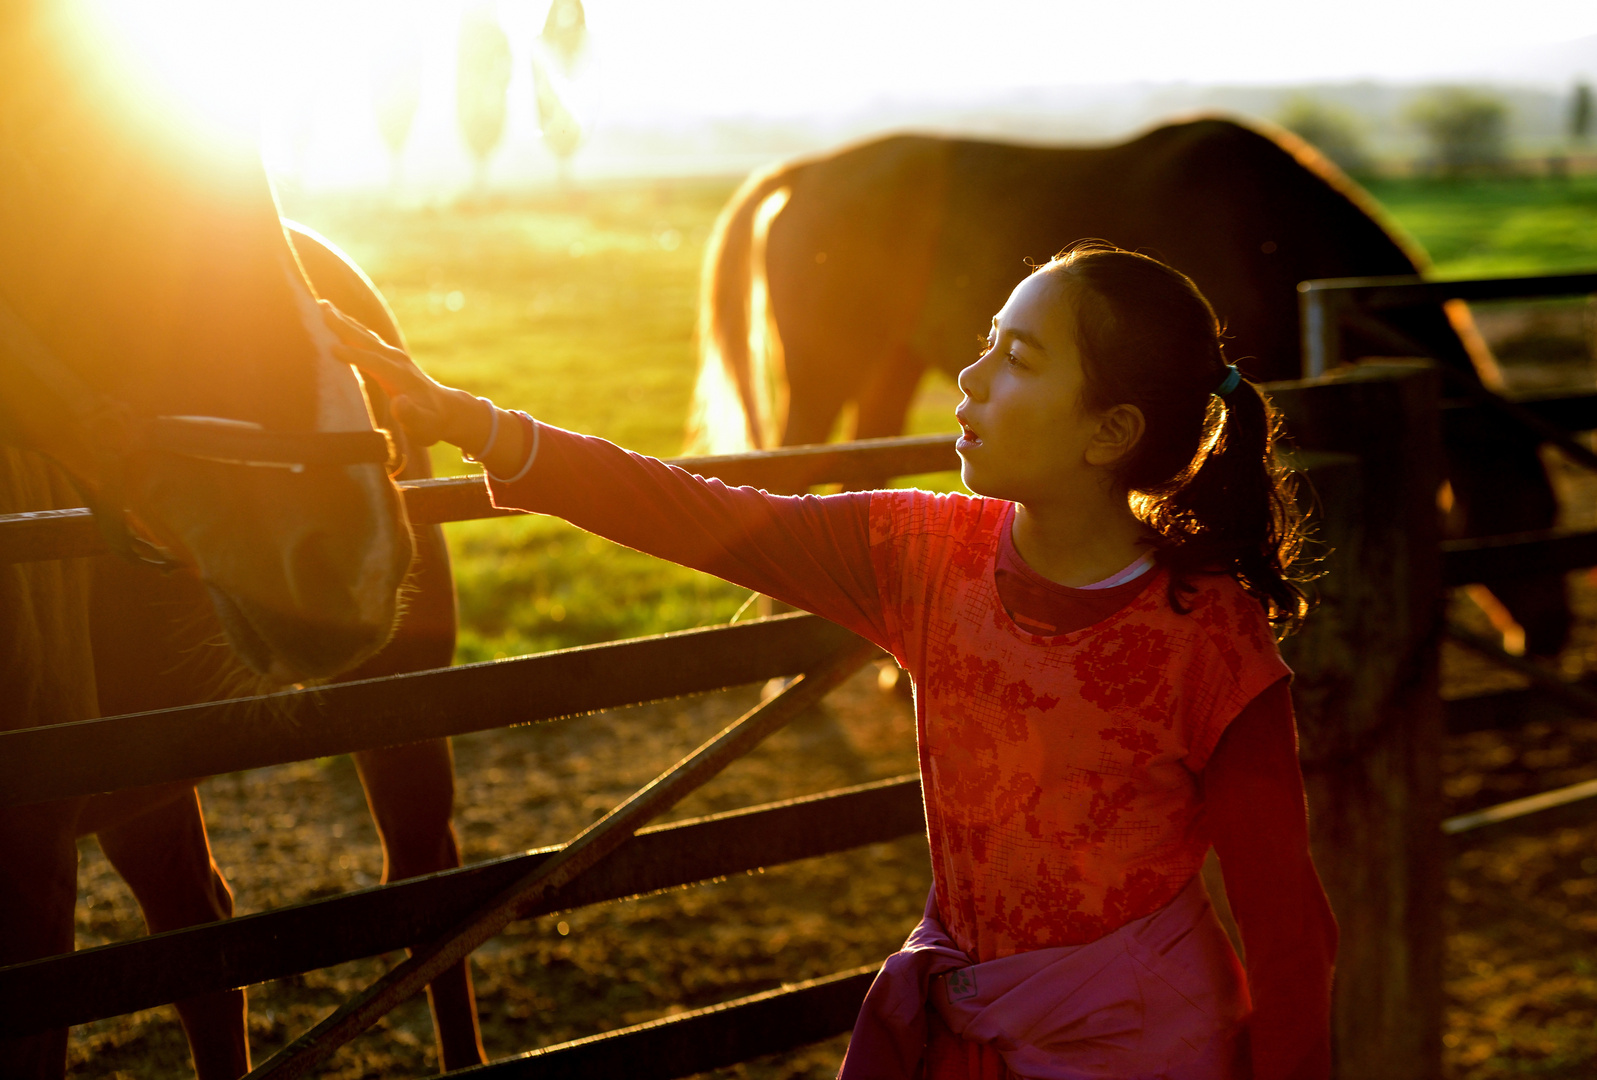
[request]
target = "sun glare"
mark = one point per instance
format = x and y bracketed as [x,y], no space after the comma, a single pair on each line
[200,62]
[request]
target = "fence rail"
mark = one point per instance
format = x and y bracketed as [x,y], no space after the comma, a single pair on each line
[696,1041]
[1323,304]
[69,534]
[93,756]
[119,978]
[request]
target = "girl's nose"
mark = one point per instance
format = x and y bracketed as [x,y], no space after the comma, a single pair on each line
[971,381]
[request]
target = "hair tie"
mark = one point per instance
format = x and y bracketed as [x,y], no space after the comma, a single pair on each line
[1233,377]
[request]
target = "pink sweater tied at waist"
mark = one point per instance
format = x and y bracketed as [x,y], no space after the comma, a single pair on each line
[1162,997]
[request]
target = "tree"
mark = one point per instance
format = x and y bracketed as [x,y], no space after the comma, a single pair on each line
[1467,129]
[1580,114]
[396,93]
[1336,132]
[554,62]
[482,75]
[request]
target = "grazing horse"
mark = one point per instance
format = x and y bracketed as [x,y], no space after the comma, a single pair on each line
[162,358]
[840,279]
[154,635]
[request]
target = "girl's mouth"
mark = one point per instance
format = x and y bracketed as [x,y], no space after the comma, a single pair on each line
[967,437]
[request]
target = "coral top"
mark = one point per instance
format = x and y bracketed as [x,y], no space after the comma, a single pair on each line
[1060,773]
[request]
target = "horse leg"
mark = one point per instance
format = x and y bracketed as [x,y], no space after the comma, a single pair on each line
[38,895]
[885,399]
[164,856]
[411,792]
[1499,486]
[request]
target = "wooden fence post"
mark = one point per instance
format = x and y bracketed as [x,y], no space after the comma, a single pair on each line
[1369,713]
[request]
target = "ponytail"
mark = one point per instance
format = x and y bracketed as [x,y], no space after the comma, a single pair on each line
[1235,510]
[1204,476]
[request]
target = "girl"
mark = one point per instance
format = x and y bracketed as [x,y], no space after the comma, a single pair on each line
[1098,692]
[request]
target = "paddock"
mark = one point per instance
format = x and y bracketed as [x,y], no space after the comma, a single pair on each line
[1370,711]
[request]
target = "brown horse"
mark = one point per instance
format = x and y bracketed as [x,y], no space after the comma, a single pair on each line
[161,356]
[838,280]
[154,637]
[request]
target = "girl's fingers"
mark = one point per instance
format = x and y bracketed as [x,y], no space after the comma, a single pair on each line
[395,377]
[342,324]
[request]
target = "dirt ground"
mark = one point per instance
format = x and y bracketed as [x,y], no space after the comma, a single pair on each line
[300,831]
[1521,966]
[1522,921]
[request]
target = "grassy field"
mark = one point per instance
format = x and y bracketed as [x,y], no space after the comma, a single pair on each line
[582,312]
[1509,226]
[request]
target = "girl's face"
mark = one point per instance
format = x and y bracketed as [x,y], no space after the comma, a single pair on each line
[1027,436]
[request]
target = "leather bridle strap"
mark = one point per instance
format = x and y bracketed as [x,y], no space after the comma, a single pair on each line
[115,433]
[210,438]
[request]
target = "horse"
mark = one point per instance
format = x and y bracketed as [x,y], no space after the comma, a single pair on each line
[153,637]
[163,359]
[837,280]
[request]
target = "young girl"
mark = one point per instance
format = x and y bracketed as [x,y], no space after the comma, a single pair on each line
[1098,693]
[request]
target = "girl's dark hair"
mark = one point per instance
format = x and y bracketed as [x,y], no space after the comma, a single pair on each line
[1204,475]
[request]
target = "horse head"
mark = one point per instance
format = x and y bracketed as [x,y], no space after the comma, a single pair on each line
[159,341]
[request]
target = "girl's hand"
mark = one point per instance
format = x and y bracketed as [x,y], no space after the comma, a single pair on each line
[429,411]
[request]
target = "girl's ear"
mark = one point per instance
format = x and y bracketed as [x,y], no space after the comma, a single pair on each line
[1120,428]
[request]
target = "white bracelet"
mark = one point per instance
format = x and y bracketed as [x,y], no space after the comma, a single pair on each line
[493,435]
[532,454]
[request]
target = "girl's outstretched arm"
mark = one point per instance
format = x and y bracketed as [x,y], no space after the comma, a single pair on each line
[1254,790]
[811,552]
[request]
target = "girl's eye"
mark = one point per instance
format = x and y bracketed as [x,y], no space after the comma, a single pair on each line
[1014,361]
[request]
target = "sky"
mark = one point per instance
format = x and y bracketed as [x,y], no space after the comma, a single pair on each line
[790,58]
[308,66]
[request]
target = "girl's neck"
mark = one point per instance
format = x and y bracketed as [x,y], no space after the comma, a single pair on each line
[1079,541]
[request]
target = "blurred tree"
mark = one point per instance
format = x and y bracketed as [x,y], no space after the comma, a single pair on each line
[1335,131]
[1467,129]
[565,33]
[1580,113]
[396,93]
[482,75]
[554,63]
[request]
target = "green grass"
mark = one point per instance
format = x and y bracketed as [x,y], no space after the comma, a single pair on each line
[582,312]
[1481,228]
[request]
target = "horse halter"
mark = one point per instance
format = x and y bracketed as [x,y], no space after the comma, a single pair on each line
[117,433]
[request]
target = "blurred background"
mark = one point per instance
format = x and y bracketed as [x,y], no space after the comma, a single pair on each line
[531,184]
[427,100]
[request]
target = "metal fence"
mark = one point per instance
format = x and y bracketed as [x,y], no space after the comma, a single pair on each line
[108,754]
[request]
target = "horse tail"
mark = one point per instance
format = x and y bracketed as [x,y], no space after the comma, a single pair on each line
[731,398]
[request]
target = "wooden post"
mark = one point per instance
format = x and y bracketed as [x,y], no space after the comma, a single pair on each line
[1369,713]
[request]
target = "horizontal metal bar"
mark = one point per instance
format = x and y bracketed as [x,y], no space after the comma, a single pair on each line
[91,756]
[114,979]
[1380,293]
[1561,808]
[70,534]
[1502,710]
[1491,558]
[50,534]
[701,1040]
[1462,419]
